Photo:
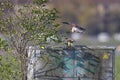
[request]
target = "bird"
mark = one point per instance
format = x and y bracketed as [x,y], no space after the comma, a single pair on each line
[76,31]
[70,42]
[75,28]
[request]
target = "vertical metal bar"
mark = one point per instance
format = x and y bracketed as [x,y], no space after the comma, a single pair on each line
[73,64]
[74,56]
[79,78]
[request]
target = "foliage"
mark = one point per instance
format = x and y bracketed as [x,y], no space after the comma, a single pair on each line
[39,2]
[5,6]
[9,69]
[32,25]
[3,44]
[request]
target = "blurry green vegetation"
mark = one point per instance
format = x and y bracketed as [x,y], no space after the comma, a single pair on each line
[3,44]
[117,67]
[9,68]
[27,25]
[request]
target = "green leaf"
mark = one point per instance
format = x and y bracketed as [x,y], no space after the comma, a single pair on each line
[39,2]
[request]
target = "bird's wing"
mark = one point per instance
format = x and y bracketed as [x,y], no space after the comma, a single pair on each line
[78,30]
[81,28]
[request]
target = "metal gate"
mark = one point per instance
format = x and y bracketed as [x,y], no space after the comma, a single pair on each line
[73,63]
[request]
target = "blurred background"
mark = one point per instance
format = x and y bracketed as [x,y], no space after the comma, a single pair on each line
[101,18]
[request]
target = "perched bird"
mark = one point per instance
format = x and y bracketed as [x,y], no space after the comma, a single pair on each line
[70,42]
[75,28]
